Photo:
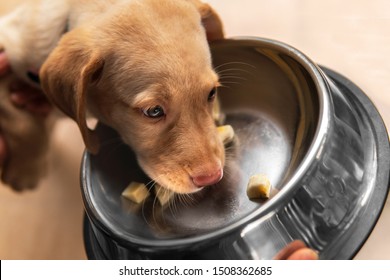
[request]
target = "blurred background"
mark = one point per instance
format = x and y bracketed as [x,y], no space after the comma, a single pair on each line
[351,37]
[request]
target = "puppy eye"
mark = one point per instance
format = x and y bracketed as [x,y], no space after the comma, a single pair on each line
[212,94]
[154,112]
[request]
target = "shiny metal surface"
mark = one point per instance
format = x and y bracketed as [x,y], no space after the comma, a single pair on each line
[315,134]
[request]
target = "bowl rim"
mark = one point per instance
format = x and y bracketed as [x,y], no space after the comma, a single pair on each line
[291,185]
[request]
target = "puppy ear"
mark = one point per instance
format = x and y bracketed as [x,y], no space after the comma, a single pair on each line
[66,76]
[210,20]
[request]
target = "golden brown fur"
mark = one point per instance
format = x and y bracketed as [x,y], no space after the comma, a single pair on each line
[136,55]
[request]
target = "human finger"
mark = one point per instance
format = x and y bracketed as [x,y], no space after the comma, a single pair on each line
[304,254]
[290,249]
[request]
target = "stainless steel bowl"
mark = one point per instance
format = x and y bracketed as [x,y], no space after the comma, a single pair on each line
[313,132]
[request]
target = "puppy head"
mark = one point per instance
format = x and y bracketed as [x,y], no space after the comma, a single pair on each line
[146,71]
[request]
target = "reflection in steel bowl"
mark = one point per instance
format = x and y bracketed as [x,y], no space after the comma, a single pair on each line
[313,132]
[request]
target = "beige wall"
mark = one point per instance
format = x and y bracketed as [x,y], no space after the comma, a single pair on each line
[349,36]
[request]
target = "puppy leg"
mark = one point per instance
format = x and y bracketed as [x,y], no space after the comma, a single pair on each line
[11,34]
[26,138]
[30,32]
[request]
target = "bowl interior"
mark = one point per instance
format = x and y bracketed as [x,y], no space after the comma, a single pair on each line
[272,103]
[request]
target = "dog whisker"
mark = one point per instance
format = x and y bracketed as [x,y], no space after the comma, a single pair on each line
[150,184]
[234,71]
[232,77]
[173,206]
[155,211]
[225,86]
[233,62]
[188,200]
[230,82]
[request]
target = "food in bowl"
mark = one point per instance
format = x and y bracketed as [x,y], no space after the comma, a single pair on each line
[163,195]
[259,186]
[313,132]
[226,133]
[136,192]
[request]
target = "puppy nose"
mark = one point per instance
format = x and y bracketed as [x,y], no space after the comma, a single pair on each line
[208,179]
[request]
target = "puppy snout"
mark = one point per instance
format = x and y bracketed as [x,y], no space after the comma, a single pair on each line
[208,179]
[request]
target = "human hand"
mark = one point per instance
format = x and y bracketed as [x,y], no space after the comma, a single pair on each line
[296,250]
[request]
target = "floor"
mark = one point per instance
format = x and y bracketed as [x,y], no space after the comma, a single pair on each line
[351,37]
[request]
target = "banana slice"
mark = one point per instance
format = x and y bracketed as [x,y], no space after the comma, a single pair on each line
[259,186]
[163,195]
[226,133]
[136,192]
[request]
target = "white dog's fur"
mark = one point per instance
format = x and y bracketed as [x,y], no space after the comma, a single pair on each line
[122,61]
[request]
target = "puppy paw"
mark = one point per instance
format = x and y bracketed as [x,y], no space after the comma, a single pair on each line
[26,142]
[26,156]
[25,176]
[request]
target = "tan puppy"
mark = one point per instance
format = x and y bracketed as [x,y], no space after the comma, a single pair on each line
[142,67]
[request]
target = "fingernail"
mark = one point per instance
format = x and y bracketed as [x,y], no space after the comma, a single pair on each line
[315,254]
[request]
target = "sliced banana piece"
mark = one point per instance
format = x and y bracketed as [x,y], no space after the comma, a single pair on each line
[226,133]
[136,192]
[259,186]
[163,195]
